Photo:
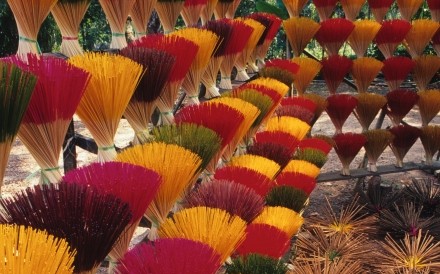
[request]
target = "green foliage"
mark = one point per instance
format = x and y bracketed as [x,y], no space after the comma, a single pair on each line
[8,31]
[95,31]
[256,264]
[287,197]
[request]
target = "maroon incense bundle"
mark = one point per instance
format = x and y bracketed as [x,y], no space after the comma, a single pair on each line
[399,103]
[334,69]
[339,107]
[396,69]
[434,7]
[299,101]
[275,152]
[347,147]
[301,113]
[277,137]
[404,138]
[315,143]
[333,33]
[379,8]
[390,35]
[297,180]
[325,8]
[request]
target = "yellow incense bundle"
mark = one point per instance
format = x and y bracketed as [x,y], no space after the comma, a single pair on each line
[429,105]
[362,35]
[282,218]
[308,69]
[408,8]
[302,167]
[352,8]
[257,163]
[291,125]
[140,14]
[364,70]
[426,66]
[299,32]
[294,7]
[419,36]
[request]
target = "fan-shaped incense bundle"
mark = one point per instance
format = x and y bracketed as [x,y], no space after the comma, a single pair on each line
[308,69]
[367,108]
[16,88]
[334,69]
[408,8]
[275,152]
[248,177]
[277,137]
[29,16]
[434,7]
[377,141]
[379,8]
[390,35]
[168,12]
[333,33]
[317,143]
[299,32]
[192,10]
[430,137]
[117,12]
[320,102]
[339,107]
[270,84]
[68,14]
[236,199]
[113,81]
[301,102]
[254,263]
[297,180]
[222,8]
[212,226]
[399,103]
[396,69]
[419,36]
[291,125]
[282,218]
[207,41]
[325,8]
[140,14]
[429,105]
[28,249]
[257,163]
[301,113]
[426,66]
[294,7]
[352,8]
[208,12]
[362,35]
[171,256]
[347,147]
[314,156]
[281,70]
[364,71]
[436,42]
[302,167]
[287,197]
[404,139]
[87,219]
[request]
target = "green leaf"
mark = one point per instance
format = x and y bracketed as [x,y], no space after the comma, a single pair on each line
[263,6]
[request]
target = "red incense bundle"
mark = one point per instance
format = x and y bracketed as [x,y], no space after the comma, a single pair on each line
[390,35]
[399,103]
[379,8]
[280,69]
[316,143]
[339,107]
[192,10]
[277,137]
[434,7]
[300,102]
[325,8]
[404,139]
[333,33]
[347,147]
[296,180]
[396,69]
[334,69]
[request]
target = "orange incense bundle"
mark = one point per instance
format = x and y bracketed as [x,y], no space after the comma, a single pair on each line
[275,152]
[404,139]
[334,69]
[408,8]
[277,137]
[390,35]
[333,33]
[299,32]
[367,108]
[208,11]
[301,113]
[168,12]
[362,35]
[222,8]
[434,7]
[347,147]
[436,42]
[396,69]
[364,71]
[282,218]
[419,36]
[339,107]
[352,8]
[308,69]
[296,180]
[294,7]
[379,8]
[232,9]
[377,141]
[325,8]
[140,14]
[399,103]
[192,10]
[426,67]
[429,105]
[430,137]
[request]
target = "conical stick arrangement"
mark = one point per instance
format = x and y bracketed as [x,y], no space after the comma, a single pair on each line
[294,7]
[368,106]
[364,71]
[291,125]
[334,69]
[429,105]
[302,167]
[408,8]
[287,197]
[280,69]
[297,180]
[352,8]
[192,10]
[333,33]
[133,184]
[29,16]
[174,255]
[430,137]
[436,42]
[282,218]
[157,69]
[362,35]
[257,163]
[68,16]
[301,113]
[347,147]
[208,12]
[426,66]
[299,32]
[140,14]
[419,36]
[377,141]
[58,92]
[424,192]
[404,139]
[117,12]
[277,137]
[434,7]
[168,12]
[399,103]
[390,35]
[207,41]
[396,69]
[314,156]
[113,82]
[184,52]
[339,107]
[250,178]
[317,143]
[16,88]
[237,199]
[265,240]
[28,249]
[89,221]
[275,152]
[253,263]
[222,8]
[308,69]
[212,226]
[325,8]
[380,8]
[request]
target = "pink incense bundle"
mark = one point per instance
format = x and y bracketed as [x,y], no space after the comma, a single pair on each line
[333,33]
[334,69]
[347,147]
[390,35]
[266,240]
[379,8]
[339,107]
[434,7]
[301,113]
[404,138]
[325,8]
[297,180]
[192,10]
[316,143]
[300,102]
[275,152]
[399,103]
[277,137]
[396,69]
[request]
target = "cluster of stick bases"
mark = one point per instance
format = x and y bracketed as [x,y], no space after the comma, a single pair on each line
[222,183]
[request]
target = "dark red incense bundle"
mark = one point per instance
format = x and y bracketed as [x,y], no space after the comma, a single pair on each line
[297,180]
[399,103]
[299,101]
[315,143]
[334,69]
[391,34]
[325,8]
[265,240]
[275,152]
[333,33]
[339,107]
[277,137]
[436,42]
[173,255]
[379,8]
[235,198]
[396,69]
[88,219]
[347,147]
[252,179]
[301,113]
[434,7]
[404,138]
